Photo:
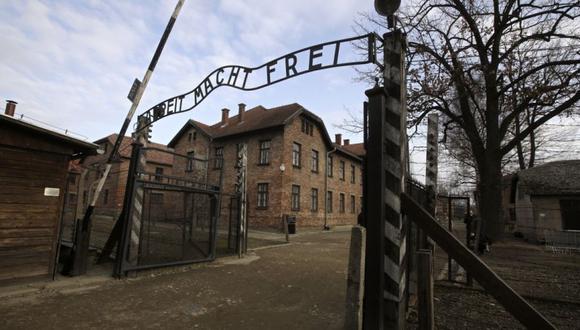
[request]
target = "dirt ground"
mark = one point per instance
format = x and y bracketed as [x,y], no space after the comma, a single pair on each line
[550,282]
[293,286]
[297,286]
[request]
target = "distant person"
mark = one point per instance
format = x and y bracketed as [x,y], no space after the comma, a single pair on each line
[469,234]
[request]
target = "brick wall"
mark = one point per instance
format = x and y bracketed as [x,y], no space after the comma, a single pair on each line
[307,179]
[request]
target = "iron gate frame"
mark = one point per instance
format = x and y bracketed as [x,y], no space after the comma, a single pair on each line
[138,178]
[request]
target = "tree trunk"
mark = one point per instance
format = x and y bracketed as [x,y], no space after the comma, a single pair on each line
[490,191]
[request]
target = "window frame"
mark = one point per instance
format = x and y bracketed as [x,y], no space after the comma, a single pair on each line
[568,208]
[329,202]
[262,202]
[314,165]
[219,158]
[296,155]
[190,159]
[352,174]
[264,152]
[341,170]
[341,203]
[314,200]
[330,166]
[158,174]
[295,198]
[352,204]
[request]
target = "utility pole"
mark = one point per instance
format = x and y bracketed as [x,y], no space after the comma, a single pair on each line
[81,250]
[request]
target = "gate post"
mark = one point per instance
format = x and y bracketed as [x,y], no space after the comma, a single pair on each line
[136,211]
[386,253]
[425,275]
[241,165]
[396,226]
[374,211]
[124,222]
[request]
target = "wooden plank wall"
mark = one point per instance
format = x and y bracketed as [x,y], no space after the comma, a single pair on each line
[28,219]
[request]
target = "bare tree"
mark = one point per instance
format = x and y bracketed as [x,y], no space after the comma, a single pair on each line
[497,71]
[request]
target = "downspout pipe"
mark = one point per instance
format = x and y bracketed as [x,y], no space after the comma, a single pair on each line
[326,227]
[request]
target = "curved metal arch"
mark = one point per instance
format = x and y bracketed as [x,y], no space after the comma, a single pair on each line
[237,76]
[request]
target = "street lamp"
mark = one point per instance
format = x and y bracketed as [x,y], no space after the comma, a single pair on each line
[388,8]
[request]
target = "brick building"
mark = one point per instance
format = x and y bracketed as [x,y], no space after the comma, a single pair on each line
[83,178]
[294,167]
[111,200]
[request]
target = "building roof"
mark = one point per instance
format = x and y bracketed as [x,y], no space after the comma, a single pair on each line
[357,149]
[125,149]
[554,178]
[81,148]
[255,119]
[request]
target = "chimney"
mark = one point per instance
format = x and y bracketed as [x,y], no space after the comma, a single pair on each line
[338,139]
[346,142]
[225,116]
[241,110]
[10,108]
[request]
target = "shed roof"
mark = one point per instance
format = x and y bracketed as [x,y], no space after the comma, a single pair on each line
[79,147]
[554,178]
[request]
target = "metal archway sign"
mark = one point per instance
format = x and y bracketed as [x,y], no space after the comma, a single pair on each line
[318,57]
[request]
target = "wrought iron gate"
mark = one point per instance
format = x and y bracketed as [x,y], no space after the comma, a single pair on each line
[172,214]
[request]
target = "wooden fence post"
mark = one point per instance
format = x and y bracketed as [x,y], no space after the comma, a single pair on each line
[355,279]
[425,286]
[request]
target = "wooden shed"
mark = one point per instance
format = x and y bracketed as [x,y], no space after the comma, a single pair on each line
[548,200]
[33,177]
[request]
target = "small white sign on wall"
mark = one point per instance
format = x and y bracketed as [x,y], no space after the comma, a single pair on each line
[51,192]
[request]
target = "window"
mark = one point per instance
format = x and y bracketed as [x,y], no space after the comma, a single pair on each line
[264,152]
[330,166]
[106,197]
[296,149]
[194,136]
[341,203]
[315,161]
[262,195]
[314,200]
[307,127]
[219,158]
[329,201]
[352,173]
[189,137]
[190,159]
[570,210]
[341,170]
[295,198]
[158,173]
[352,204]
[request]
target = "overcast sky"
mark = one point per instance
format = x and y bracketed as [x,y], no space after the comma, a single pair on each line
[72,63]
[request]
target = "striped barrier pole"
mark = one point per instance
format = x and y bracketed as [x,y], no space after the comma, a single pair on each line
[396,226]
